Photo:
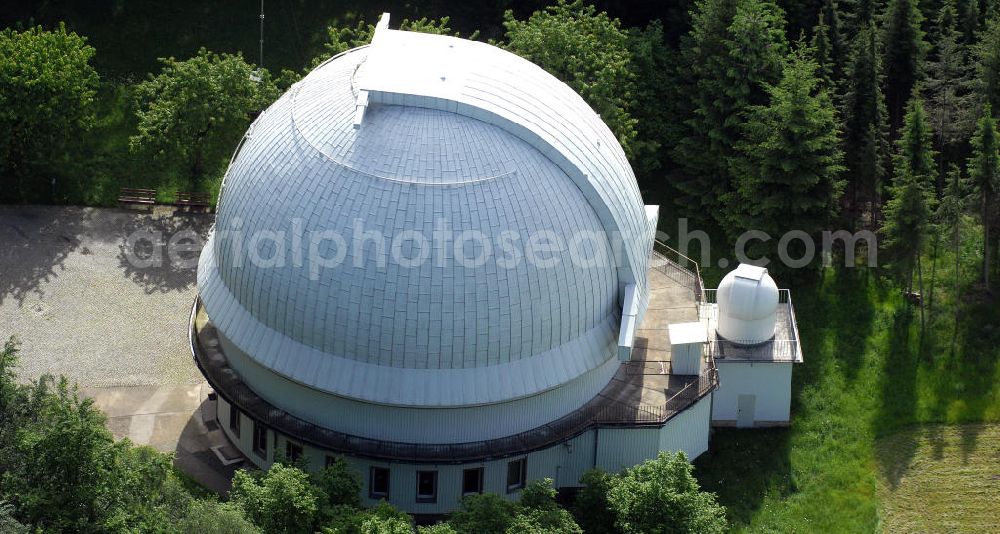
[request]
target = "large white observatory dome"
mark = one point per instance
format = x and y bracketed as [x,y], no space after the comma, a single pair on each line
[748,304]
[418,134]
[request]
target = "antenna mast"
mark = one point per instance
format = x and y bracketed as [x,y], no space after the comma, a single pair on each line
[260,62]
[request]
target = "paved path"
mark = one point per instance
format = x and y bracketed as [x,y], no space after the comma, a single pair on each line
[177,419]
[82,309]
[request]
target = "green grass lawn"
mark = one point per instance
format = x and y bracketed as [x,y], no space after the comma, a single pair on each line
[865,378]
[941,478]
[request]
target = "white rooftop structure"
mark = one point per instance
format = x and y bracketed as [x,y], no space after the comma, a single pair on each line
[370,290]
[748,305]
[417,134]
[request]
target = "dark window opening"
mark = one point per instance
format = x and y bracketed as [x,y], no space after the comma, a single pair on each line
[427,486]
[330,460]
[234,420]
[472,481]
[378,483]
[293,451]
[260,440]
[517,473]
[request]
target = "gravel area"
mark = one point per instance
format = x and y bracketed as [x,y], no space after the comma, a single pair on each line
[81,308]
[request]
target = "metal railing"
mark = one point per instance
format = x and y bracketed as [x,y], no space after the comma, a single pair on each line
[785,346]
[677,267]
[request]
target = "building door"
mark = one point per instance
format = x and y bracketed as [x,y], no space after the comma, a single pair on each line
[745,410]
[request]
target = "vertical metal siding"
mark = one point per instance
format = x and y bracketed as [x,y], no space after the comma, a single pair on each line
[770,382]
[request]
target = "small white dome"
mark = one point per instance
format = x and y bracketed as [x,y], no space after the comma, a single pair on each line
[748,304]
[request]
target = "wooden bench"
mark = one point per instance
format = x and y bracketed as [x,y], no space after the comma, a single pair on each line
[128,195]
[190,199]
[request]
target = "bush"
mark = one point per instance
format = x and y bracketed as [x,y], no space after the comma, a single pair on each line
[212,517]
[591,507]
[662,495]
[483,514]
[282,499]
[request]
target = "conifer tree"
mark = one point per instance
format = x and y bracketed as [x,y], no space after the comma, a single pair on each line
[791,180]
[907,222]
[839,50]
[948,219]
[909,210]
[970,21]
[857,14]
[988,64]
[735,47]
[984,172]
[864,126]
[915,145]
[904,46]
[948,91]
[830,48]
[652,62]
[822,48]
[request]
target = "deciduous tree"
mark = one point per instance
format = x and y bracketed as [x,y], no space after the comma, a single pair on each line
[47,88]
[661,496]
[282,499]
[586,49]
[193,112]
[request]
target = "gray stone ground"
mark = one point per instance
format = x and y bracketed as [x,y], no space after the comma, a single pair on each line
[80,308]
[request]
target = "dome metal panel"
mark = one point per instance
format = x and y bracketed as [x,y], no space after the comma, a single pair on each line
[431,335]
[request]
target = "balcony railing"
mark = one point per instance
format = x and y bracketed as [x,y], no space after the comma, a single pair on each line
[677,267]
[785,346]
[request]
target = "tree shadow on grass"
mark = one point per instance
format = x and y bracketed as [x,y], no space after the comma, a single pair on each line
[959,387]
[964,382]
[853,321]
[34,244]
[898,395]
[150,256]
[743,467]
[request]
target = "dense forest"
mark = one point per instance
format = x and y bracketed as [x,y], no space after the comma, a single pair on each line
[764,115]
[861,115]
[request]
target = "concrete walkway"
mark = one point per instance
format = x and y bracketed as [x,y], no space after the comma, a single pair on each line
[173,419]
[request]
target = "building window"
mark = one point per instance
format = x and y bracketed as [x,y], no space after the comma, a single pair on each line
[378,483]
[293,451]
[260,440]
[472,481]
[427,482]
[234,420]
[517,474]
[330,460]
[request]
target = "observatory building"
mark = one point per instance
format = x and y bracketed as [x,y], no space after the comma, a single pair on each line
[431,259]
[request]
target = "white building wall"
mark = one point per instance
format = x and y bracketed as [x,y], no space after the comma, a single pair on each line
[618,448]
[611,449]
[688,431]
[769,382]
